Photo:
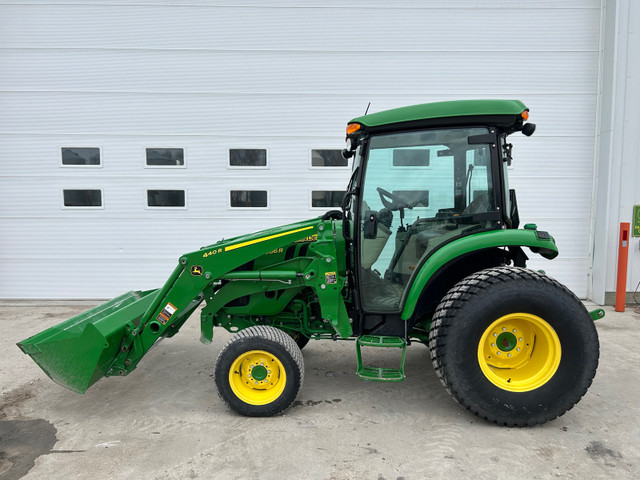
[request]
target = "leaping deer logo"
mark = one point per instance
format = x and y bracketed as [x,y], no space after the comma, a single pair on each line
[196,270]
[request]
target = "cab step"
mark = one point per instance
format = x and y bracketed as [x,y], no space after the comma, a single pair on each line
[376,374]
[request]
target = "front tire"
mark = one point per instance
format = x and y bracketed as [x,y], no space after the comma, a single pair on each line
[259,372]
[513,346]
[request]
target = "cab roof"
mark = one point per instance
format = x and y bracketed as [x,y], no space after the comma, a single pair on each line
[505,113]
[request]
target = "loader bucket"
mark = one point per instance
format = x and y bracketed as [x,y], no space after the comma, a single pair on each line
[78,352]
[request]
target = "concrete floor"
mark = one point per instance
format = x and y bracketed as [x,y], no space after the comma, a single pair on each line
[165,420]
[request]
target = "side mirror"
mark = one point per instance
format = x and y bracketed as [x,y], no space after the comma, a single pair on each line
[347,154]
[371,224]
[528,129]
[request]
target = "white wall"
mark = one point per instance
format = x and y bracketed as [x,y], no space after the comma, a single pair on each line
[286,76]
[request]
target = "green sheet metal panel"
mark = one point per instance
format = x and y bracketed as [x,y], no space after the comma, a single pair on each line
[77,353]
[458,108]
[546,247]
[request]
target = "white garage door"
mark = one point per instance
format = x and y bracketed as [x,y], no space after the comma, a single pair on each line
[132,132]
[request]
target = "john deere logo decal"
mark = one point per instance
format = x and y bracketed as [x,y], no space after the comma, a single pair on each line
[196,270]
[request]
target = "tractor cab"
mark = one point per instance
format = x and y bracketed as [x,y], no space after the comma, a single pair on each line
[418,185]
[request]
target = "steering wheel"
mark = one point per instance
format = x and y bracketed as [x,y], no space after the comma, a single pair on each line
[396,201]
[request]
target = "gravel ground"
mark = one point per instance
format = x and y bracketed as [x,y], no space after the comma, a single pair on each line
[165,420]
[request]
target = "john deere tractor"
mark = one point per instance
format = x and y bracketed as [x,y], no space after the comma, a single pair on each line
[425,249]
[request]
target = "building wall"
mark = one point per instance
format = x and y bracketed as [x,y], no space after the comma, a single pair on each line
[618,161]
[282,76]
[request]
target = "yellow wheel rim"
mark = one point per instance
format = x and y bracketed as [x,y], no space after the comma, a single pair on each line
[519,352]
[257,377]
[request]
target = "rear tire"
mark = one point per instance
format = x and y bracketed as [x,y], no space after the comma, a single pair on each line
[259,372]
[513,346]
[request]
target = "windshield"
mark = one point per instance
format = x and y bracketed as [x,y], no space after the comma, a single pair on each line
[420,190]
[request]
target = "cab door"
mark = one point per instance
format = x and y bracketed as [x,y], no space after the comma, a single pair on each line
[419,190]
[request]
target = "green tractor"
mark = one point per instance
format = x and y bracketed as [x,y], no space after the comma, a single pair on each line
[426,249]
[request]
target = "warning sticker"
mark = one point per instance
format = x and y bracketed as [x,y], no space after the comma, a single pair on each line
[330,278]
[166,313]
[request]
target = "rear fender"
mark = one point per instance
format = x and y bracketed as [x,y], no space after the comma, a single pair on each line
[533,239]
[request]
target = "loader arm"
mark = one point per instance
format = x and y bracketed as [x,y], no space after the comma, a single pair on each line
[115,337]
[183,291]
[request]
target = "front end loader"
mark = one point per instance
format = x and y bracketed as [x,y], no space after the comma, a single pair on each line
[426,248]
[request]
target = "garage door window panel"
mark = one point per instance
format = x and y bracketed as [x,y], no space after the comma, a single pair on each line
[166,199]
[81,157]
[248,158]
[328,159]
[82,198]
[165,158]
[326,198]
[249,199]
